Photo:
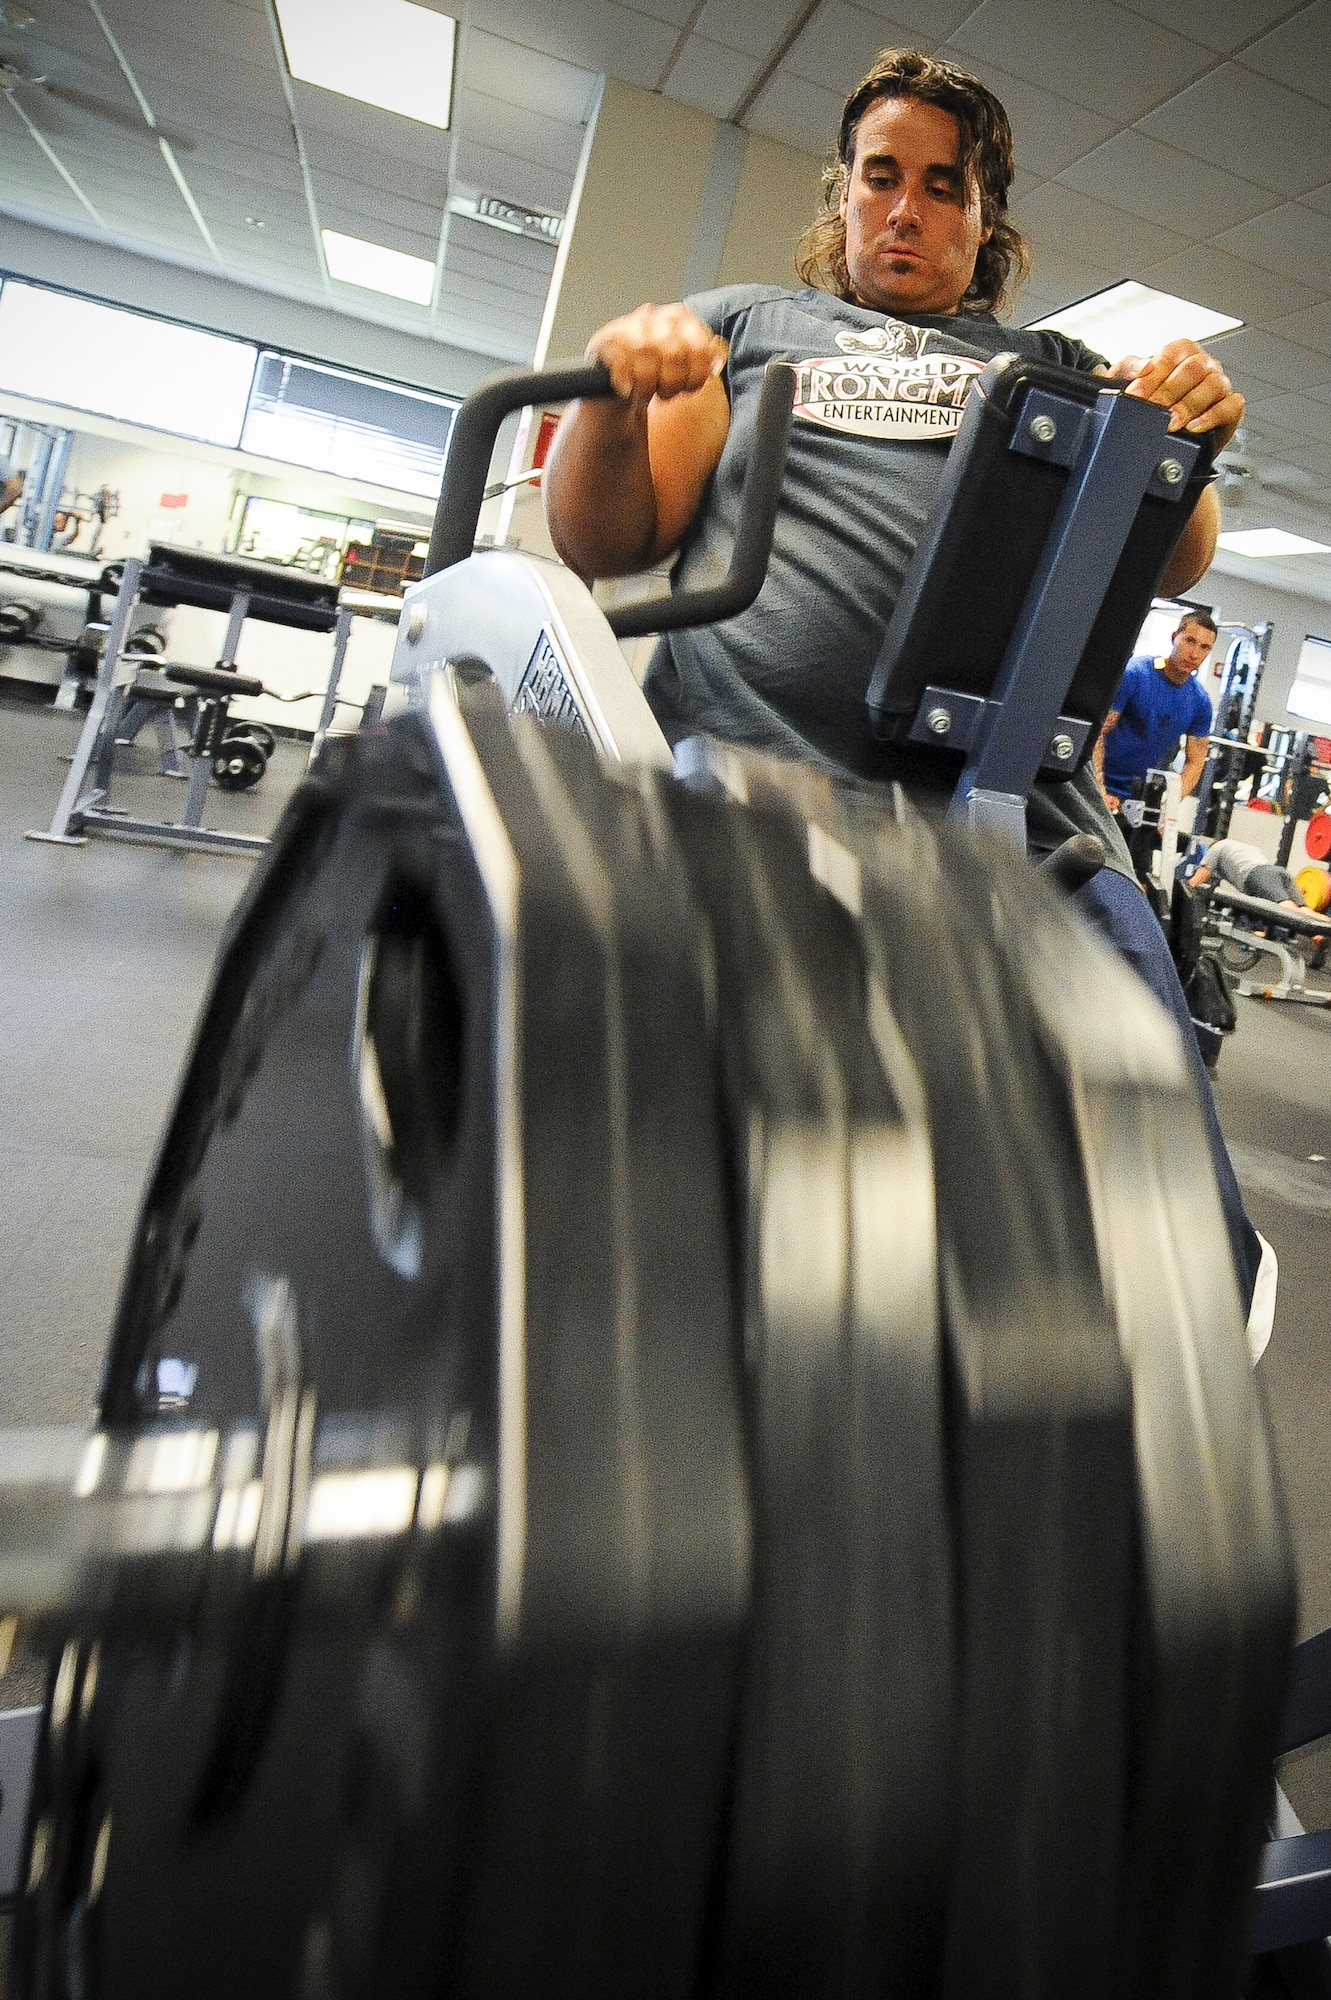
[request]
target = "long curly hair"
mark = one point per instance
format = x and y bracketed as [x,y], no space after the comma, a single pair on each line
[985,160]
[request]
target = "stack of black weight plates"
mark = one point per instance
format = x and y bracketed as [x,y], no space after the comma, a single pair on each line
[1124,1595]
[802,1235]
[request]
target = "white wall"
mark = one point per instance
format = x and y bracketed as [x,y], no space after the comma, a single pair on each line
[1293,618]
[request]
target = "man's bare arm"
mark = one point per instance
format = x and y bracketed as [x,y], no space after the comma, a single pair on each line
[625,477]
[1098,757]
[1194,762]
[1190,383]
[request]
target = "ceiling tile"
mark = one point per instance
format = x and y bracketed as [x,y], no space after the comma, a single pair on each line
[676,12]
[1292,240]
[375,170]
[525,77]
[495,172]
[738,24]
[930,21]
[1109,60]
[234,33]
[797,113]
[596,34]
[530,281]
[1106,235]
[1320,199]
[1304,414]
[174,65]
[499,249]
[839,46]
[710,77]
[379,208]
[1063,279]
[1222,27]
[1252,127]
[1311,328]
[1272,359]
[544,140]
[1298,53]
[1048,132]
[1150,180]
[1228,284]
[345,120]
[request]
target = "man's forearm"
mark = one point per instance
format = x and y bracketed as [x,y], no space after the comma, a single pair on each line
[1192,773]
[1098,758]
[599,498]
[1192,557]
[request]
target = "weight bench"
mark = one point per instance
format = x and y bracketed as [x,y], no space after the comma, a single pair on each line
[172,576]
[1234,918]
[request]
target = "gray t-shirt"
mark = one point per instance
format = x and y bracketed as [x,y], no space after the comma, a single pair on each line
[878,402]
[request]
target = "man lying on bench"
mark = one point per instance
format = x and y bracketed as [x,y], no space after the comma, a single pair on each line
[905,265]
[1245,868]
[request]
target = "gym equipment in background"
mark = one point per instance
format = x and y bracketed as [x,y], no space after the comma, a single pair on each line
[55,606]
[678,1417]
[243,589]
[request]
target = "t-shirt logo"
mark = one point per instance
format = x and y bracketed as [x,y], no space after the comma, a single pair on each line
[889,385]
[886,395]
[894,336]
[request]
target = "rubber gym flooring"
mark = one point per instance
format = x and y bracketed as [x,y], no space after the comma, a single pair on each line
[104,955]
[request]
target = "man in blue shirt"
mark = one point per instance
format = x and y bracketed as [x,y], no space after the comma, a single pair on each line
[1158,701]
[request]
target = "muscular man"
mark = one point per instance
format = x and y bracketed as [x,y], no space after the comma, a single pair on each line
[1159,701]
[904,267]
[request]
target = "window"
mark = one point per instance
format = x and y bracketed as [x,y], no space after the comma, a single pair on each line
[348,424]
[58,348]
[1310,695]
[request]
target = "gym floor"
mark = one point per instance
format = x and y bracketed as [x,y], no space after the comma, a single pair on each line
[106,953]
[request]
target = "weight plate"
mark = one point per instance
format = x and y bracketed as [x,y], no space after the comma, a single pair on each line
[423,1173]
[251,732]
[1314,885]
[836,1866]
[1039,1435]
[1216,1585]
[1317,839]
[239,764]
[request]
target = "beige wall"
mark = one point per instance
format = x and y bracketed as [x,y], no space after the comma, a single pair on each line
[774,204]
[637,213]
[661,185]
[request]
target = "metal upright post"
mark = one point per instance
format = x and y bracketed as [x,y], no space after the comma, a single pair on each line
[65,815]
[341,634]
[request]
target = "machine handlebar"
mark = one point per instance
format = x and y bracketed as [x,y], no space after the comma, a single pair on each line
[472,444]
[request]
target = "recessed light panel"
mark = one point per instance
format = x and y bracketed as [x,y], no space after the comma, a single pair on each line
[378,268]
[1134,319]
[391,53]
[1271,542]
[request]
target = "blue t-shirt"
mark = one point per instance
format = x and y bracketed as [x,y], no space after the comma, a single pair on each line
[1152,715]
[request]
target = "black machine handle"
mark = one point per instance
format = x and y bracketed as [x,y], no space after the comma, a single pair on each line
[472,444]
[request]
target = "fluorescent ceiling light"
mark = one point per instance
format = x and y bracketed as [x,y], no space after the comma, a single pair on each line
[377,268]
[1133,319]
[1271,542]
[389,53]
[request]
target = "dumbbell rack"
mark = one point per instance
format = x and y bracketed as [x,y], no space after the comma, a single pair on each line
[173,576]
